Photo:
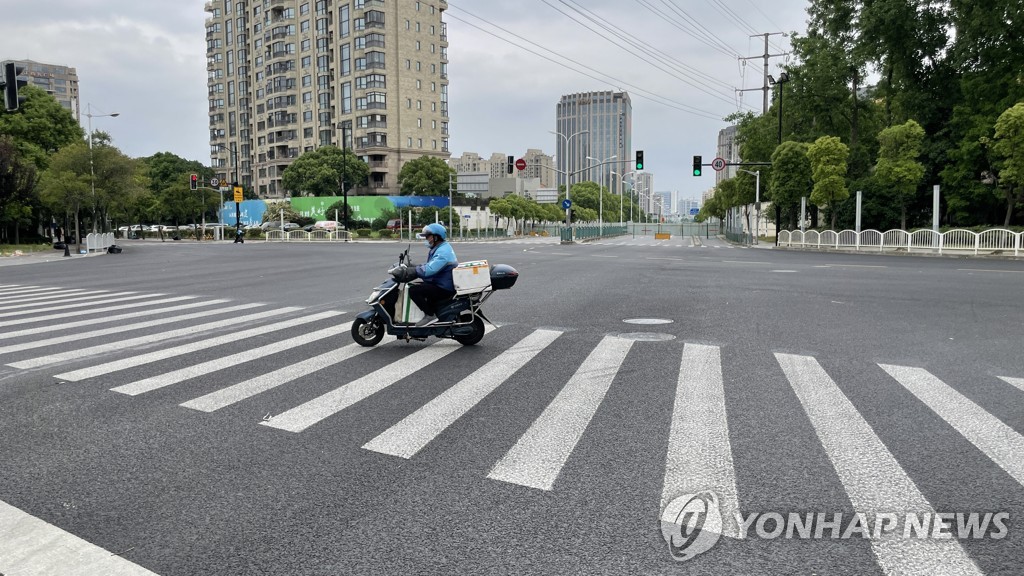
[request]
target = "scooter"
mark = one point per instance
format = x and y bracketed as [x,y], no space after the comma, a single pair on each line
[460,318]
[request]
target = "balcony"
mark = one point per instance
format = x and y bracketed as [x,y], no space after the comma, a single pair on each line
[208,7]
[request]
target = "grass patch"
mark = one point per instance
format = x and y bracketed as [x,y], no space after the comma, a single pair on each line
[8,249]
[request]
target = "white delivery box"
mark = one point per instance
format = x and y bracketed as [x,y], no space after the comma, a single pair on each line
[471,277]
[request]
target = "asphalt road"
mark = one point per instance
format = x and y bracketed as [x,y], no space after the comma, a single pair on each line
[208,413]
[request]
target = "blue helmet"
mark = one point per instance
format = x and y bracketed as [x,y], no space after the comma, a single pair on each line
[435,229]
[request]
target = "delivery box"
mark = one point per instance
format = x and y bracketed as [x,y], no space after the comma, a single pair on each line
[472,277]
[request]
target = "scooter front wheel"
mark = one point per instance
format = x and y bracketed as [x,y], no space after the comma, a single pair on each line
[368,333]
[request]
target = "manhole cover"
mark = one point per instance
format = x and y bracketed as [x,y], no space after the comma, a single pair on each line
[647,321]
[646,336]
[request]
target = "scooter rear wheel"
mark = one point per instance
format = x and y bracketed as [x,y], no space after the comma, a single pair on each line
[366,333]
[474,336]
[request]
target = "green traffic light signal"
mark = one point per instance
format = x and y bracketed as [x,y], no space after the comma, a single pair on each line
[639,159]
[696,165]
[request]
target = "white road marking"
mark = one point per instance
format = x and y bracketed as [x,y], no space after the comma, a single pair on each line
[873,479]
[80,336]
[61,327]
[1018,382]
[63,315]
[66,306]
[537,458]
[30,546]
[70,300]
[1001,443]
[210,366]
[699,453]
[414,432]
[305,415]
[7,300]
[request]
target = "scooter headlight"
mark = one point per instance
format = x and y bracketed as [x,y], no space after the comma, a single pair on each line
[373,297]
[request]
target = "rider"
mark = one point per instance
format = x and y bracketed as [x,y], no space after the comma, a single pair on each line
[437,285]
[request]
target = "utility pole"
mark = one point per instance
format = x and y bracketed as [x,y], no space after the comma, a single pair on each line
[765,88]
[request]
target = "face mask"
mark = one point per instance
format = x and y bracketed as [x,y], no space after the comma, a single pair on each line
[427,244]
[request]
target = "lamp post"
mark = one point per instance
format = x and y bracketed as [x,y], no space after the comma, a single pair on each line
[783,78]
[757,201]
[622,186]
[568,171]
[600,194]
[92,172]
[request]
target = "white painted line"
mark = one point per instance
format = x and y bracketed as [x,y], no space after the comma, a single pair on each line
[30,546]
[989,270]
[699,453]
[238,392]
[210,366]
[65,298]
[61,327]
[873,479]
[124,328]
[676,259]
[543,449]
[1001,443]
[305,415]
[62,315]
[414,432]
[76,304]
[7,300]
[1018,382]
[158,355]
[27,290]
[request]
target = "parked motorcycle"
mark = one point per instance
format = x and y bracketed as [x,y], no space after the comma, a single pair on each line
[460,318]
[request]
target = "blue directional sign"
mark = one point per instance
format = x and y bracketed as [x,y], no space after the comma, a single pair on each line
[566,204]
[694,211]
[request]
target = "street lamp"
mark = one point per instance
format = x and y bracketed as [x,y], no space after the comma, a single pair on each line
[783,78]
[757,201]
[568,172]
[92,172]
[600,194]
[622,186]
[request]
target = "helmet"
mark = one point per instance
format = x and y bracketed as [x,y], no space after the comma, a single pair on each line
[435,229]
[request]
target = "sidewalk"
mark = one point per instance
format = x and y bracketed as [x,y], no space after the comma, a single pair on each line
[42,256]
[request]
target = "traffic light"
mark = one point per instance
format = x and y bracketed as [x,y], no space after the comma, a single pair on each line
[511,162]
[639,159]
[193,182]
[11,85]
[696,165]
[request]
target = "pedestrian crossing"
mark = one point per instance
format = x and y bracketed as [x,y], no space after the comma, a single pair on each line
[154,346]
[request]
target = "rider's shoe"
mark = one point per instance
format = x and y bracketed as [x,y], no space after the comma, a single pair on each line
[427,320]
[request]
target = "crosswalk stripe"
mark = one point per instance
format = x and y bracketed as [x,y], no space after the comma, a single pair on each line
[65,297]
[64,326]
[1001,443]
[210,366]
[26,289]
[123,328]
[7,301]
[309,413]
[1017,382]
[415,431]
[873,479]
[538,456]
[155,356]
[121,296]
[699,453]
[238,392]
[87,311]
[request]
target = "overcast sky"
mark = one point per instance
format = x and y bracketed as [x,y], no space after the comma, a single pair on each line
[146,60]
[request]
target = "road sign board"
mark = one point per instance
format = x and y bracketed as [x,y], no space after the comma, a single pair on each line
[466,216]
[238,193]
[694,211]
[520,164]
[718,164]
[566,204]
[214,182]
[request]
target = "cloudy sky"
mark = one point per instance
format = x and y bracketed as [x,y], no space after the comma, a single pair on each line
[509,63]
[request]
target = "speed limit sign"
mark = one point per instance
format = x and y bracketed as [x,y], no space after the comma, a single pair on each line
[718,164]
[214,182]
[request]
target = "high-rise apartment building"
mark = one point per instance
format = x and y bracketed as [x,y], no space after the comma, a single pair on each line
[288,76]
[59,81]
[598,125]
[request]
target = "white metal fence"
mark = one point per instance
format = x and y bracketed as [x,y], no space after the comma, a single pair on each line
[98,242]
[992,242]
[303,236]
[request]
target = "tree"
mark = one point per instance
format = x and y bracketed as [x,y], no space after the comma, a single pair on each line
[425,176]
[17,182]
[898,168]
[40,126]
[828,157]
[790,178]
[1009,147]
[64,186]
[326,171]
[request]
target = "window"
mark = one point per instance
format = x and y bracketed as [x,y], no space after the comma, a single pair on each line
[307,61]
[307,115]
[346,59]
[307,97]
[344,21]
[304,9]
[346,98]
[307,81]
[305,45]
[409,142]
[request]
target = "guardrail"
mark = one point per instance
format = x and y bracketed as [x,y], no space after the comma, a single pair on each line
[996,241]
[590,232]
[98,242]
[303,236]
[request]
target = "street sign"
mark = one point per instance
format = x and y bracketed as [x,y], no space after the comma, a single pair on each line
[238,194]
[214,182]
[566,204]
[466,216]
[694,211]
[718,164]
[520,164]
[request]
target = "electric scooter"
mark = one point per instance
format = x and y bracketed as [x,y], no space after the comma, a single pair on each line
[460,318]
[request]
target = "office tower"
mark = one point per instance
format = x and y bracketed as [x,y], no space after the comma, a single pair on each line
[288,76]
[598,125]
[59,81]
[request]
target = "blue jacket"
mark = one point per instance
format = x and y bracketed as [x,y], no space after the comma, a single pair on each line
[438,268]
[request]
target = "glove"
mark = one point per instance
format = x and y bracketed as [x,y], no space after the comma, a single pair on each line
[404,274]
